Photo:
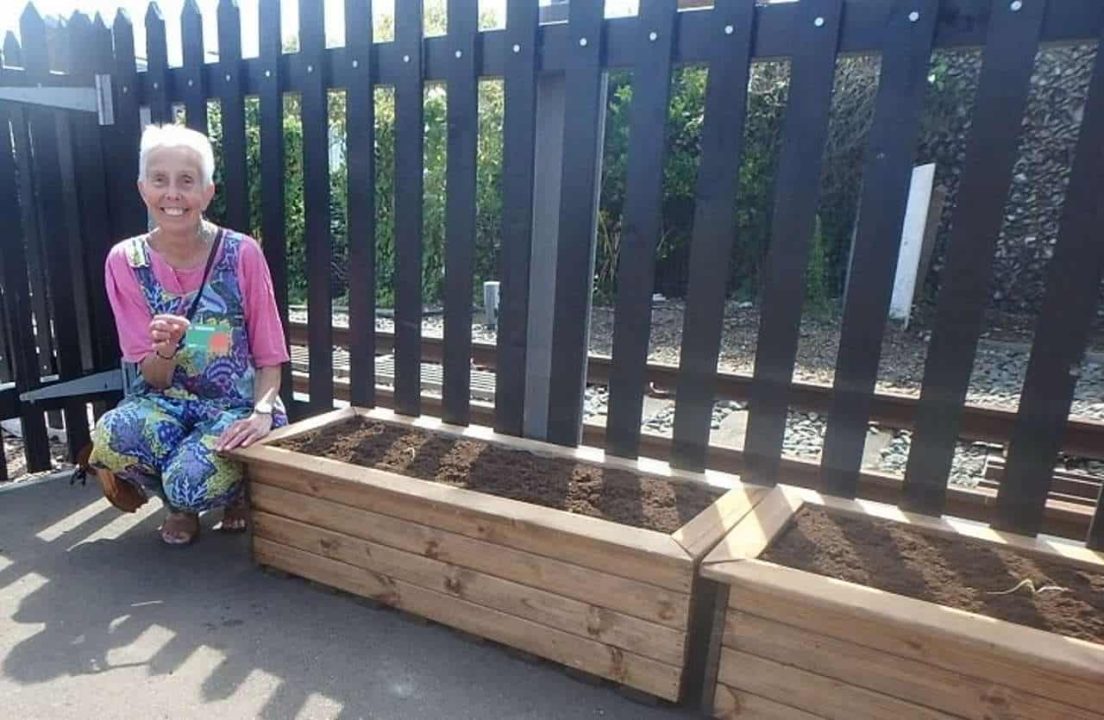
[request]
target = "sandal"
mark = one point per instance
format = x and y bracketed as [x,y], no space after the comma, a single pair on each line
[235,517]
[180,529]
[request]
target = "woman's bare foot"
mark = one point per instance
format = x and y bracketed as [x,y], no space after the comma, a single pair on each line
[235,518]
[180,528]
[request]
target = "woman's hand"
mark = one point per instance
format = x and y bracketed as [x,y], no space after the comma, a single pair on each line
[166,332]
[244,433]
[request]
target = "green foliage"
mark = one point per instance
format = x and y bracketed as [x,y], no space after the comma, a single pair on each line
[766,103]
[488,188]
[818,283]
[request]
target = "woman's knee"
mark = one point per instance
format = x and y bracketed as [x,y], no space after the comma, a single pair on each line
[197,479]
[135,432]
[110,445]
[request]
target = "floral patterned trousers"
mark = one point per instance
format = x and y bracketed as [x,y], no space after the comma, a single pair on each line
[165,445]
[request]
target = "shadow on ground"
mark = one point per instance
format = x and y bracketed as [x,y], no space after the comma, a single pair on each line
[98,619]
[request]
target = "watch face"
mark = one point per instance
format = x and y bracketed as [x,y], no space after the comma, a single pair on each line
[263,408]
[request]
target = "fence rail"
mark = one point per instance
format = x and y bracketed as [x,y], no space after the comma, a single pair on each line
[49,149]
[1083,437]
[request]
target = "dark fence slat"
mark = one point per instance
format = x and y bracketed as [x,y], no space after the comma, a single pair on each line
[1062,329]
[63,245]
[96,211]
[71,243]
[61,39]
[157,64]
[714,229]
[272,169]
[32,222]
[797,188]
[360,163]
[519,123]
[1095,539]
[17,299]
[316,203]
[887,170]
[463,136]
[194,75]
[583,84]
[126,131]
[642,225]
[6,347]
[31,214]
[232,104]
[13,52]
[91,174]
[1007,63]
[409,144]
[48,191]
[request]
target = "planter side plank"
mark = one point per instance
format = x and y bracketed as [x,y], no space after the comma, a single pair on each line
[640,554]
[952,692]
[1063,669]
[812,692]
[702,534]
[641,600]
[636,636]
[588,655]
[730,704]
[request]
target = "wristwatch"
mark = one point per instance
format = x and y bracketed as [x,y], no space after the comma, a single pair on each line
[263,408]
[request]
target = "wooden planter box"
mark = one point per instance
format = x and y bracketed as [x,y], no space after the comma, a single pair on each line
[608,599]
[792,644]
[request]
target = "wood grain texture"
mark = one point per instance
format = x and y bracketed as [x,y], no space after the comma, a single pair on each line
[814,693]
[584,654]
[629,552]
[1062,669]
[541,606]
[956,693]
[629,597]
[733,704]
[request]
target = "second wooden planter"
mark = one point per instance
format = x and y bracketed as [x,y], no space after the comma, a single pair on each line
[608,599]
[793,644]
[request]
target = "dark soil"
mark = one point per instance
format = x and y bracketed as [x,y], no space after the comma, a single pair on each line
[960,573]
[623,497]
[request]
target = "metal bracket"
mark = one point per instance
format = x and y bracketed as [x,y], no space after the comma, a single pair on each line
[95,99]
[105,106]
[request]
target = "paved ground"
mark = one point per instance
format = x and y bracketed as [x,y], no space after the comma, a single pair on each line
[99,620]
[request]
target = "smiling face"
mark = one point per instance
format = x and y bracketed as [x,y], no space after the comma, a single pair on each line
[173,189]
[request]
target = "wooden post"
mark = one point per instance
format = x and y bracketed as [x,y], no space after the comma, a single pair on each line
[542,268]
[584,106]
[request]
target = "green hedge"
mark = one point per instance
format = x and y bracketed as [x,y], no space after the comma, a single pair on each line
[856,81]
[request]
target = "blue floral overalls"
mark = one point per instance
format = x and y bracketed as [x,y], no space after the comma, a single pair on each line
[163,440]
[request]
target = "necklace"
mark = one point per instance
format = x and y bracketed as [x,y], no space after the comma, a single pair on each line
[204,235]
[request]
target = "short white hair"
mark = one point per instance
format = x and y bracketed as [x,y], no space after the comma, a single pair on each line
[156,137]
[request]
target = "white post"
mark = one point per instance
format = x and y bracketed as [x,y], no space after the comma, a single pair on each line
[912,242]
[490,303]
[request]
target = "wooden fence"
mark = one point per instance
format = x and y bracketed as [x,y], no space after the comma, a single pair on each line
[88,171]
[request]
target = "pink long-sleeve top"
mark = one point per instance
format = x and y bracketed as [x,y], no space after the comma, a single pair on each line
[132,312]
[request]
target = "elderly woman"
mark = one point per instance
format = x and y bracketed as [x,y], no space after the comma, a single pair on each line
[194,308]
